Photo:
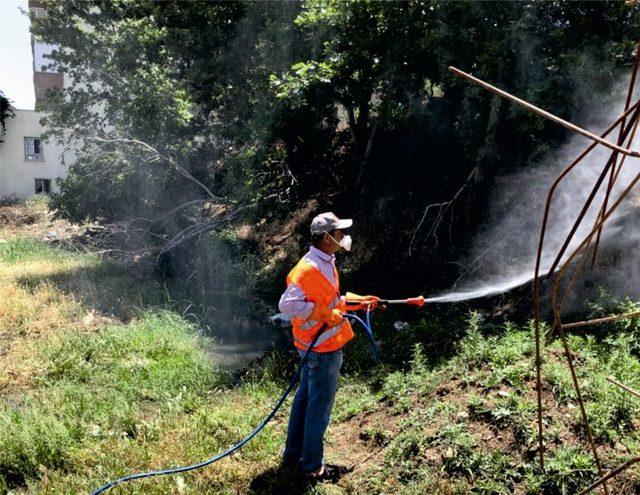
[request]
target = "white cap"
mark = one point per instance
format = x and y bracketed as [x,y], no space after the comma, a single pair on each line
[326,222]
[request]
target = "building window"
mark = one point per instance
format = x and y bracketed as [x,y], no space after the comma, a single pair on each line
[38,12]
[32,149]
[43,186]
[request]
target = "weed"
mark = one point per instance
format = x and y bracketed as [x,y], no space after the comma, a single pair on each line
[568,469]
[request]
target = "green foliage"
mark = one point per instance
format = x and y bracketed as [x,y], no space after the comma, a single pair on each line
[135,394]
[568,470]
[495,470]
[400,388]
[303,76]
[268,104]
[356,398]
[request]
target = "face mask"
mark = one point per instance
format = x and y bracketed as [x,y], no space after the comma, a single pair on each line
[345,242]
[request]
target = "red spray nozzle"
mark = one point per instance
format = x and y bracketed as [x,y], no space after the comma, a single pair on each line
[416,301]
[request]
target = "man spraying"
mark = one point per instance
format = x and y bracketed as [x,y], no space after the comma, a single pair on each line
[313,300]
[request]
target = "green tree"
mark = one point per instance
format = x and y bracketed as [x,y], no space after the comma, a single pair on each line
[417,136]
[176,105]
[163,98]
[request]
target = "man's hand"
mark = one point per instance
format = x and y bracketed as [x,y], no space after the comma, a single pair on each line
[355,301]
[331,317]
[336,318]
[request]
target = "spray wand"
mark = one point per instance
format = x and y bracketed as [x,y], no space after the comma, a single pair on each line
[370,305]
[418,301]
[412,301]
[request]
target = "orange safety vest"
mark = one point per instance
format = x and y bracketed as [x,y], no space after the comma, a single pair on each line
[319,290]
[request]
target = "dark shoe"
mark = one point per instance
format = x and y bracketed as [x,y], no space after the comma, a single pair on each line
[330,474]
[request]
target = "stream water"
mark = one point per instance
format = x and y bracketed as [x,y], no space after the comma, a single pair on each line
[242,332]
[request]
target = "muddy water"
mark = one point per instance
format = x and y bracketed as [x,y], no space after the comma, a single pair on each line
[242,331]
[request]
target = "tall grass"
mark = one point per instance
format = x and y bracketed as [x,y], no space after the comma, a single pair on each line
[97,386]
[26,248]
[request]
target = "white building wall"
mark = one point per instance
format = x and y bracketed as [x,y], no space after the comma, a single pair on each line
[17,174]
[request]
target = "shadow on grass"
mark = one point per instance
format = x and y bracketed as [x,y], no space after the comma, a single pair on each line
[103,287]
[279,480]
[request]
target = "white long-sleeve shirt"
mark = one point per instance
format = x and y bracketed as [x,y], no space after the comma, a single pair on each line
[293,301]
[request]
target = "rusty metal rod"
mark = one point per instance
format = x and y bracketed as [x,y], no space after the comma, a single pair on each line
[622,160]
[558,323]
[604,214]
[583,410]
[605,217]
[584,245]
[574,280]
[624,387]
[597,321]
[590,199]
[614,175]
[536,278]
[574,376]
[612,182]
[576,224]
[560,274]
[556,309]
[556,182]
[544,113]
[611,474]
[557,318]
[580,266]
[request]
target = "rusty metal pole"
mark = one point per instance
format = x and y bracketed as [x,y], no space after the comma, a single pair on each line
[613,182]
[590,199]
[604,218]
[624,387]
[544,113]
[622,160]
[574,376]
[536,278]
[614,175]
[558,321]
[598,321]
[580,265]
[611,474]
[582,248]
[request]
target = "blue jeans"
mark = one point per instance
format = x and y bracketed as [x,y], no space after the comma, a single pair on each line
[311,409]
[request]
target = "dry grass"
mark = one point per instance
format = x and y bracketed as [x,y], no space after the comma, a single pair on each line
[34,313]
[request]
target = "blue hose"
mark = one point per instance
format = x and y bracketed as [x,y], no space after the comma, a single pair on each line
[366,324]
[294,380]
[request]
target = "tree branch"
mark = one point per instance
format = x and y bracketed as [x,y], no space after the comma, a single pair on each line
[441,210]
[157,156]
